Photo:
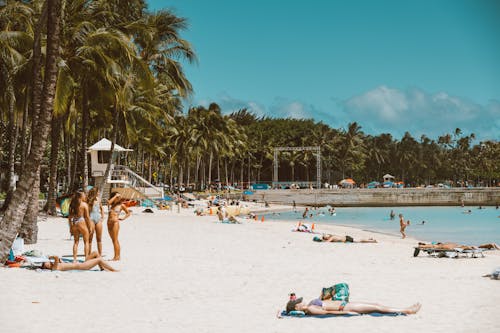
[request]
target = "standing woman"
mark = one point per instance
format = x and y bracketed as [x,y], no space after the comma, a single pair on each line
[96,216]
[115,206]
[80,223]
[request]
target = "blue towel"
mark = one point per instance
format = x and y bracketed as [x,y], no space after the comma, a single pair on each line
[373,314]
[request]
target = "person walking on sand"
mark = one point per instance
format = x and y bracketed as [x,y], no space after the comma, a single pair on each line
[96,216]
[403,225]
[79,222]
[116,206]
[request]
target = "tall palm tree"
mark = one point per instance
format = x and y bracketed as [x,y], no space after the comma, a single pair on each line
[16,41]
[15,212]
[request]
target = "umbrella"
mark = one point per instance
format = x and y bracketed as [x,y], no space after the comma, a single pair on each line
[347,181]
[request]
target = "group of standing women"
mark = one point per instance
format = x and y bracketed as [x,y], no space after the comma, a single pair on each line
[86,218]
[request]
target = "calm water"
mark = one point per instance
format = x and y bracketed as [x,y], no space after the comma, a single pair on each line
[441,223]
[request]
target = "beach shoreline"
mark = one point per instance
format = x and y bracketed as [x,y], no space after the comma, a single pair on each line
[184,273]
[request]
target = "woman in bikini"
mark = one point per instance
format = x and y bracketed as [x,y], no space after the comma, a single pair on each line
[94,259]
[322,307]
[96,216]
[116,206]
[80,224]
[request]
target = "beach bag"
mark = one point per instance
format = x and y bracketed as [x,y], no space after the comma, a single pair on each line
[337,292]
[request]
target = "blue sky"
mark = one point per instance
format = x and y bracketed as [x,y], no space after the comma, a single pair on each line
[424,66]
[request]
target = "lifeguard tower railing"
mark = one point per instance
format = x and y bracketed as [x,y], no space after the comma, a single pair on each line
[121,176]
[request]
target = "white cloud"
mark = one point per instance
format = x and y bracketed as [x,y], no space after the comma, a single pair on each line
[396,111]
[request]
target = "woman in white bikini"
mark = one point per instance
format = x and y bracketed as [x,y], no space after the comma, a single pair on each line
[115,207]
[80,224]
[96,216]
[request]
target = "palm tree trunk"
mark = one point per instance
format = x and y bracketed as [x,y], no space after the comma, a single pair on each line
[67,154]
[11,222]
[29,225]
[50,206]
[210,168]
[11,135]
[24,129]
[197,173]
[150,167]
[218,168]
[85,134]
[241,172]
[111,153]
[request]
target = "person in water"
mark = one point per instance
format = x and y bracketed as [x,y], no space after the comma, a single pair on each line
[345,239]
[94,259]
[403,225]
[116,206]
[322,307]
[80,224]
[96,216]
[392,215]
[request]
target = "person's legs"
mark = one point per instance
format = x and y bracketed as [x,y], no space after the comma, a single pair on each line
[369,240]
[363,307]
[105,266]
[98,236]
[91,238]
[76,240]
[82,229]
[113,230]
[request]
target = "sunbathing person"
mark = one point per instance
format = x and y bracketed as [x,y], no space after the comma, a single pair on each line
[451,246]
[94,259]
[345,239]
[224,217]
[322,307]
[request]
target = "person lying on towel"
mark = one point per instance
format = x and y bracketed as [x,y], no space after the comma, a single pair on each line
[323,307]
[342,239]
[93,260]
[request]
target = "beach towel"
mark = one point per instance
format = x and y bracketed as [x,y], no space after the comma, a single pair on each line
[301,314]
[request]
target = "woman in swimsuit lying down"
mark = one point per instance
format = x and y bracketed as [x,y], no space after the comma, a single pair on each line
[93,260]
[322,307]
[451,246]
[345,239]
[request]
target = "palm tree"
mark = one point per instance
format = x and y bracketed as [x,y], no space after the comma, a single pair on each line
[16,210]
[15,43]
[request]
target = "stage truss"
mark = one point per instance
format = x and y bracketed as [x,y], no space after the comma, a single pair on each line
[316,149]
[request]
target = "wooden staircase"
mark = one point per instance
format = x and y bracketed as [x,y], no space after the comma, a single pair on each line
[130,185]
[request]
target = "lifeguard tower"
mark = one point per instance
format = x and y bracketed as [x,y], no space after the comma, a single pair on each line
[121,179]
[388,178]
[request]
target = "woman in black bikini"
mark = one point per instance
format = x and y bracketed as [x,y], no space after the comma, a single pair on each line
[80,224]
[115,204]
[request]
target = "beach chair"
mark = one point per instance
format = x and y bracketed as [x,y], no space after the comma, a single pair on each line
[449,253]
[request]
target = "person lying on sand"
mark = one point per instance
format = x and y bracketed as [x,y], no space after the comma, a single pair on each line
[93,260]
[322,307]
[342,239]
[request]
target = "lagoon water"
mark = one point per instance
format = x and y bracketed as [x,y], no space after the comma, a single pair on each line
[442,224]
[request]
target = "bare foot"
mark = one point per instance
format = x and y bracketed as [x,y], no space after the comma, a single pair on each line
[413,309]
[115,259]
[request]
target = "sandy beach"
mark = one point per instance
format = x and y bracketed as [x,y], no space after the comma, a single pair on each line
[182,273]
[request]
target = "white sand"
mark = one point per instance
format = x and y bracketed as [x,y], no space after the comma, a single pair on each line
[181,273]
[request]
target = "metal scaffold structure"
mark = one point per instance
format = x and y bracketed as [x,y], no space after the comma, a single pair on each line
[316,149]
